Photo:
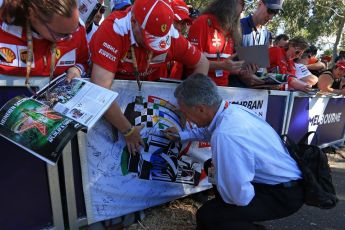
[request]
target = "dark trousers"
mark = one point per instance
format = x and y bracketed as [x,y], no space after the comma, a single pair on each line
[269,203]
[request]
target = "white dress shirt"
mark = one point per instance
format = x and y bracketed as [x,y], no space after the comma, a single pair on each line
[245,149]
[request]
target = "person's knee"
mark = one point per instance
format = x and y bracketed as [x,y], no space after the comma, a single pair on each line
[202,216]
[199,215]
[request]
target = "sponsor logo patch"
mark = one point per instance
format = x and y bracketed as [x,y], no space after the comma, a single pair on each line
[162,44]
[110,47]
[107,55]
[57,53]
[67,59]
[164,27]
[23,53]
[7,55]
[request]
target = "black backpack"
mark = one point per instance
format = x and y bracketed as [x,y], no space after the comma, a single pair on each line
[317,178]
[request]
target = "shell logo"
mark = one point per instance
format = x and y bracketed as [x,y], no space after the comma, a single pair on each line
[7,55]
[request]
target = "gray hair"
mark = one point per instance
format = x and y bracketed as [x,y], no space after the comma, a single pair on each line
[198,89]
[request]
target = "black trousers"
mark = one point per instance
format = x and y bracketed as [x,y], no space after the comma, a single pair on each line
[269,203]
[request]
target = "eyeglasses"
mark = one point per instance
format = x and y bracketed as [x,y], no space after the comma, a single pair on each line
[298,52]
[56,36]
[272,11]
[102,10]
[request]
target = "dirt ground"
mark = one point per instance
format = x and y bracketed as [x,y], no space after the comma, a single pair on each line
[180,214]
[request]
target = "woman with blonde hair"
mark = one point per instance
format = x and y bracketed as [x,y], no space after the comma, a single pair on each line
[41,38]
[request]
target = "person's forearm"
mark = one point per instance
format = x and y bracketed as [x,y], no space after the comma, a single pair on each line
[316,66]
[115,116]
[336,91]
[195,134]
[202,66]
[216,65]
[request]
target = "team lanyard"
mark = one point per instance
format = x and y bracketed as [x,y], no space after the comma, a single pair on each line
[136,69]
[218,45]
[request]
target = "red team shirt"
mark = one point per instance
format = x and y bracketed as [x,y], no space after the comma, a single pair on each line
[206,34]
[279,62]
[110,49]
[13,52]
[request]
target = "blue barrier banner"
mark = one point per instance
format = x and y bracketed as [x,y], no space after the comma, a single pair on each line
[323,115]
[8,92]
[24,194]
[276,111]
[326,117]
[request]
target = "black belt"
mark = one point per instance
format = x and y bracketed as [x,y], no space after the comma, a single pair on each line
[289,184]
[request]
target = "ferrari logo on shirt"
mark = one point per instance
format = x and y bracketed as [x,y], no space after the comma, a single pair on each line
[23,55]
[164,27]
[57,53]
[7,55]
[215,40]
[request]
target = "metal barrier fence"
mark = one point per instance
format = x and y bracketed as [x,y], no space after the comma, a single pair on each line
[32,196]
[277,107]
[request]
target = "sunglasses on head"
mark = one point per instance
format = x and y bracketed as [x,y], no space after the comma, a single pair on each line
[272,11]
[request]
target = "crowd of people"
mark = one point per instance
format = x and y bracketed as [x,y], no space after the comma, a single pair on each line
[150,39]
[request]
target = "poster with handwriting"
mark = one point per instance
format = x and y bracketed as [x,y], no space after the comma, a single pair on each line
[116,183]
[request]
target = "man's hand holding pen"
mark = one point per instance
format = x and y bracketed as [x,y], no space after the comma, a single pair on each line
[171,133]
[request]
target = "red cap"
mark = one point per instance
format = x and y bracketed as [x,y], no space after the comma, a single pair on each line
[155,18]
[181,11]
[341,64]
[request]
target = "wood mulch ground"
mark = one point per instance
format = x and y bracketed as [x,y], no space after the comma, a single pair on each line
[178,214]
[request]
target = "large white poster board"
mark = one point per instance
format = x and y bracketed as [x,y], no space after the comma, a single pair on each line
[116,183]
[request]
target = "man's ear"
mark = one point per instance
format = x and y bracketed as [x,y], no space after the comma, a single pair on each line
[200,108]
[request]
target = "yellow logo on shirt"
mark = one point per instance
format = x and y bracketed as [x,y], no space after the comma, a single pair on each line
[164,27]
[7,55]
[57,53]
